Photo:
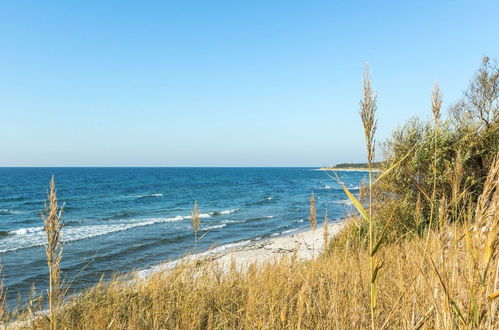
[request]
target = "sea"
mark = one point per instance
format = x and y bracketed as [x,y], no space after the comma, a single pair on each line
[118,220]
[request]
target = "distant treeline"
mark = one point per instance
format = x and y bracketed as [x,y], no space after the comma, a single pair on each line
[357,165]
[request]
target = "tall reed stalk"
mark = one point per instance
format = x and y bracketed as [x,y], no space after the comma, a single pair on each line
[313,218]
[367,114]
[53,224]
[436,105]
[326,230]
[195,221]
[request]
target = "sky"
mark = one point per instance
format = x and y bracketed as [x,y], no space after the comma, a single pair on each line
[224,83]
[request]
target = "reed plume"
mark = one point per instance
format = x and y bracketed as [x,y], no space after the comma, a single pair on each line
[368,115]
[313,218]
[53,224]
[436,105]
[195,221]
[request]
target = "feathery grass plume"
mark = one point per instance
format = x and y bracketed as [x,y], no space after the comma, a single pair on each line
[53,224]
[436,106]
[326,230]
[436,102]
[313,217]
[368,115]
[195,221]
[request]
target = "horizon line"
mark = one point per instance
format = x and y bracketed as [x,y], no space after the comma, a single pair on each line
[153,166]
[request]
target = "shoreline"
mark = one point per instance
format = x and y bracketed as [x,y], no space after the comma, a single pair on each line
[305,244]
[349,169]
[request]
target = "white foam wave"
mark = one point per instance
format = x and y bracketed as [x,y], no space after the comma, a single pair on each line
[9,211]
[326,187]
[233,221]
[25,231]
[223,212]
[284,232]
[34,236]
[149,195]
[215,227]
[229,211]
[289,231]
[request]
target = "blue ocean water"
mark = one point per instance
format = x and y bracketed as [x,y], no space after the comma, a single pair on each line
[124,219]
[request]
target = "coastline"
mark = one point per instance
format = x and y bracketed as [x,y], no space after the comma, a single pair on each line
[305,244]
[349,169]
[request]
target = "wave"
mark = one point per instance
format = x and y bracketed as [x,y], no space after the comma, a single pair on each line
[233,221]
[9,212]
[214,227]
[326,187]
[289,231]
[148,196]
[215,213]
[283,232]
[25,231]
[24,238]
[262,201]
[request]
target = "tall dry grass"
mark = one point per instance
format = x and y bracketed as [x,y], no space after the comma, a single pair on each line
[436,106]
[195,222]
[368,108]
[53,224]
[313,212]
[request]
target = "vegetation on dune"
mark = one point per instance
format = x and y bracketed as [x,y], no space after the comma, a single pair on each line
[423,254]
[442,165]
[364,166]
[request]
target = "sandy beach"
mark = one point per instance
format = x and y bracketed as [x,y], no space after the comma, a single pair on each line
[305,245]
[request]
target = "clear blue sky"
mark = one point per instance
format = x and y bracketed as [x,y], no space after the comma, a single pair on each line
[223,83]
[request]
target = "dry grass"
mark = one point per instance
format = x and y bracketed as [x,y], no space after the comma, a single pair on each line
[368,108]
[195,222]
[419,289]
[313,213]
[53,225]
